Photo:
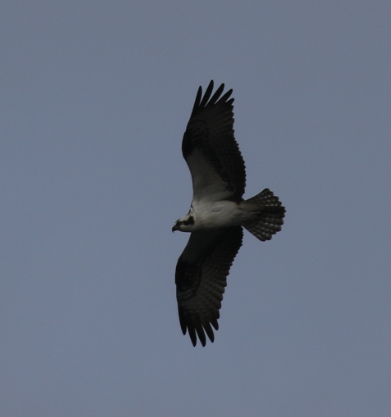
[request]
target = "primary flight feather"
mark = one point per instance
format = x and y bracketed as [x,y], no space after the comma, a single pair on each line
[217,213]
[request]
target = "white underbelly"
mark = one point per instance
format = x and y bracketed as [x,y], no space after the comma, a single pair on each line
[218,214]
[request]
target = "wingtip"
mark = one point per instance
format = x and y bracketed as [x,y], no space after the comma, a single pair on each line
[207,94]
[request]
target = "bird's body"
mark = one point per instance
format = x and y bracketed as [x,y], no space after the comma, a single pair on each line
[217,213]
[214,214]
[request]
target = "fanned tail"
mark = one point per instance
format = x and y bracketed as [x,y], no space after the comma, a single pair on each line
[269,215]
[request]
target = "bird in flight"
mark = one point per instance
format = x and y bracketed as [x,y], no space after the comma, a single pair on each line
[217,213]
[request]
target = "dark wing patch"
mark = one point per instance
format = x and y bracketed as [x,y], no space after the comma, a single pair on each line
[201,277]
[209,138]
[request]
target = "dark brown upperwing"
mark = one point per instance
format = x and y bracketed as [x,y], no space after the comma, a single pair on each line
[201,277]
[210,135]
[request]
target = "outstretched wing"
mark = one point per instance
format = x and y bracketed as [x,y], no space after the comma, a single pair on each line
[210,149]
[201,277]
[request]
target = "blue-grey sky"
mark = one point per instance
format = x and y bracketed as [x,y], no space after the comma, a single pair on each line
[95,97]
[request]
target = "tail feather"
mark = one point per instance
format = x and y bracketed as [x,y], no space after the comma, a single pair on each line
[269,215]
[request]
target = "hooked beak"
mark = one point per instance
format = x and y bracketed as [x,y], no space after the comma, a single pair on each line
[175,227]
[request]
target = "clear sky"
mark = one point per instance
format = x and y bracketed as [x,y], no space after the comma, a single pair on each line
[95,97]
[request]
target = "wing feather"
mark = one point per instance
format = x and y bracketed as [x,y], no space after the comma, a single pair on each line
[210,149]
[201,278]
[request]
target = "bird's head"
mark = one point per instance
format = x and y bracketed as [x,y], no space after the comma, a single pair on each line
[184,224]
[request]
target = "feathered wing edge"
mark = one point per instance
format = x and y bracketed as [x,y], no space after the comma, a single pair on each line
[201,102]
[201,279]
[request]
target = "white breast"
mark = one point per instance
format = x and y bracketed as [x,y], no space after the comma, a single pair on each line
[218,214]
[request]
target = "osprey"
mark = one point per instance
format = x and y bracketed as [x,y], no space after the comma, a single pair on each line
[217,213]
